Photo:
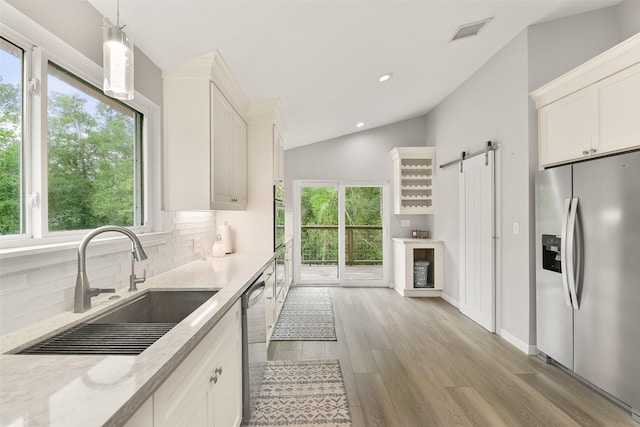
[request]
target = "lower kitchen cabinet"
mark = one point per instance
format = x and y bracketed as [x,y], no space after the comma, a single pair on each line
[206,388]
[143,416]
[418,267]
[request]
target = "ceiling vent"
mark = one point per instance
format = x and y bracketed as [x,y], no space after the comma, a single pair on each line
[468,30]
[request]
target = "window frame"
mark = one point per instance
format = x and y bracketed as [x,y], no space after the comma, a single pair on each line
[41,47]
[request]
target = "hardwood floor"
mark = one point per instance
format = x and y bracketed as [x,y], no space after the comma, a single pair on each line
[419,362]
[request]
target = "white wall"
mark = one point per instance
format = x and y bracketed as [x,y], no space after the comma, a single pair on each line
[629,18]
[494,105]
[490,106]
[362,156]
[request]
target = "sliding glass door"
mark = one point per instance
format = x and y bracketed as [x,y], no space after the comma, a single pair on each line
[318,232]
[341,233]
[363,232]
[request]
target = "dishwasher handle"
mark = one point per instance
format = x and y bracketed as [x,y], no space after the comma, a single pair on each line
[249,299]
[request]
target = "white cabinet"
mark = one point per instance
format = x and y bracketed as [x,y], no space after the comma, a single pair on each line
[205,137]
[405,253]
[593,110]
[288,264]
[413,179]
[567,128]
[619,111]
[206,388]
[270,300]
[254,227]
[143,417]
[278,157]
[229,152]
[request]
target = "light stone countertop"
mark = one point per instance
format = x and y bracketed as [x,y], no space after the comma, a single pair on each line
[79,390]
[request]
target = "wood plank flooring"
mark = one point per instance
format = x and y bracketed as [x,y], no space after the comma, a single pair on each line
[419,362]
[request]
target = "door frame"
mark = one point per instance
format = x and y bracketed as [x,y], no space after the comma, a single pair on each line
[386,224]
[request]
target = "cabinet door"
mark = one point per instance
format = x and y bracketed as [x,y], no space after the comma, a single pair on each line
[198,412]
[143,417]
[222,148]
[567,127]
[239,135]
[619,111]
[278,157]
[288,261]
[227,386]
[184,399]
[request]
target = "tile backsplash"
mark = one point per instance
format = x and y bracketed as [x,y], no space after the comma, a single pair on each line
[42,286]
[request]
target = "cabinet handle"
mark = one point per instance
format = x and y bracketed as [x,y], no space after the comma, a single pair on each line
[218,370]
[593,150]
[585,152]
[213,379]
[234,200]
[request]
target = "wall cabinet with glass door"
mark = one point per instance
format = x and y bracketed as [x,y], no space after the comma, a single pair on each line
[205,137]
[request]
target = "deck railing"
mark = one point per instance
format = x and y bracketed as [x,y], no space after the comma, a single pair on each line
[363,244]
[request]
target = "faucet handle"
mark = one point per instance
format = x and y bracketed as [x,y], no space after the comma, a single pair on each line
[143,278]
[94,292]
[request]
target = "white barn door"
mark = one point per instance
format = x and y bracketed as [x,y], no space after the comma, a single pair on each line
[477,246]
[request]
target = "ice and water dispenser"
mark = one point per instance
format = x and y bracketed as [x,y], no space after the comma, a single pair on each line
[551,253]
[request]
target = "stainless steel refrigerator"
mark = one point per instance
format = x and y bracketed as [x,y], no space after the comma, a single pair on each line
[588,272]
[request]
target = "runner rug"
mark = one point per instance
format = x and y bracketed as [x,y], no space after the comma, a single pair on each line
[307,315]
[302,393]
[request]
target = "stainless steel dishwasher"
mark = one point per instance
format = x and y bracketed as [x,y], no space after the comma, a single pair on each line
[254,340]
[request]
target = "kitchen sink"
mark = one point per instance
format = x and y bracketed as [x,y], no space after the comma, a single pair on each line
[128,328]
[157,306]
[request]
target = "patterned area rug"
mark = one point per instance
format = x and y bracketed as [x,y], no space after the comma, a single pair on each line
[308,393]
[307,315]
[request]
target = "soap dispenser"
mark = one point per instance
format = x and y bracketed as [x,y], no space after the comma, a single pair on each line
[218,247]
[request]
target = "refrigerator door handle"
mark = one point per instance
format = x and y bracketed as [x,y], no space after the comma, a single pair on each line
[571,269]
[563,251]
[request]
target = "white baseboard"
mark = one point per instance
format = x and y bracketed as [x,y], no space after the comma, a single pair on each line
[454,302]
[531,350]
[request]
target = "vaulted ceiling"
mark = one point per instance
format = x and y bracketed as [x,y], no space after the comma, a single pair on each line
[323,58]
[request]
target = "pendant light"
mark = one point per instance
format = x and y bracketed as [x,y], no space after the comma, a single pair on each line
[117,58]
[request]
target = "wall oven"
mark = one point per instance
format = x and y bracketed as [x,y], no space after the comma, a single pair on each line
[278,216]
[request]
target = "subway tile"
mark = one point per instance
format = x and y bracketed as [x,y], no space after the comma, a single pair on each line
[12,282]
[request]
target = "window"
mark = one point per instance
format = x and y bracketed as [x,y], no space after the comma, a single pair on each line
[11,106]
[94,148]
[72,158]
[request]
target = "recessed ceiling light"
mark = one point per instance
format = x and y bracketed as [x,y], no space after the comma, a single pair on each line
[360,124]
[385,77]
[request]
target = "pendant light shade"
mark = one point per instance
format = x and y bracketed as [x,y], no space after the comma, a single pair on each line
[117,57]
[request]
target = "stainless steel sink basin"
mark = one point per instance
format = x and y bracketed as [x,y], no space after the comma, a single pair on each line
[127,329]
[158,306]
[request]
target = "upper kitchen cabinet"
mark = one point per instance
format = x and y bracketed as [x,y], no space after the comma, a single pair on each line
[254,229]
[413,180]
[592,110]
[278,156]
[205,137]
